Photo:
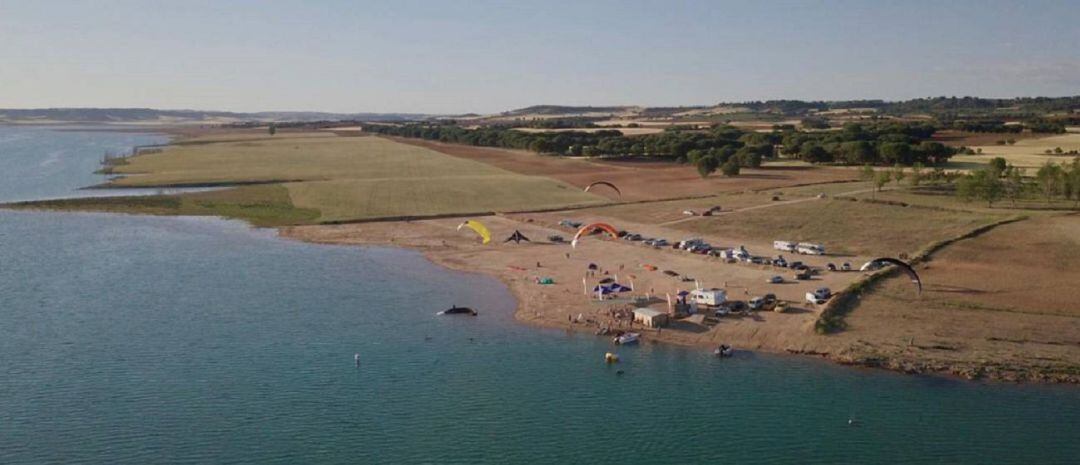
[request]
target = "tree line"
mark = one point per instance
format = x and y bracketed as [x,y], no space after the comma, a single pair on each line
[1001,180]
[709,149]
[891,143]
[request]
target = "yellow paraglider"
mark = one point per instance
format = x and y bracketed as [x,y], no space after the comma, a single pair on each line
[479,228]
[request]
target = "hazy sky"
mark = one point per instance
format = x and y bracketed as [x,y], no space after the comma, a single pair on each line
[487,56]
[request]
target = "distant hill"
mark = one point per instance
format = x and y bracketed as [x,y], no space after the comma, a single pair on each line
[936,106]
[149,115]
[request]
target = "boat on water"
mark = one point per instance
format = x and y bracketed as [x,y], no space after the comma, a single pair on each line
[627,338]
[455,310]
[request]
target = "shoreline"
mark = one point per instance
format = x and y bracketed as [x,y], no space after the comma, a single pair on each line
[536,306]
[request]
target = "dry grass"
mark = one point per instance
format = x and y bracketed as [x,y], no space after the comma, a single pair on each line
[844,227]
[1026,153]
[352,178]
[349,199]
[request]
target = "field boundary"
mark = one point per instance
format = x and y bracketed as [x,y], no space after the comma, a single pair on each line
[831,318]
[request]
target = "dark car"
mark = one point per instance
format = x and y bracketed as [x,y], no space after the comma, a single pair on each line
[736,305]
[556,238]
[831,266]
[803,276]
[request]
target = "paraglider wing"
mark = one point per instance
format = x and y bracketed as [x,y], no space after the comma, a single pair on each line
[878,262]
[517,237]
[604,183]
[479,228]
[593,227]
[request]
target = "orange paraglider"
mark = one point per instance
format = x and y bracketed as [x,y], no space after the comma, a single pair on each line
[589,228]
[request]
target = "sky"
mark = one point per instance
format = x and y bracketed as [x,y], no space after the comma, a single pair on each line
[489,56]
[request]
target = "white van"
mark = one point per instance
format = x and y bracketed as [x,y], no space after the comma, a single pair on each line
[810,249]
[784,245]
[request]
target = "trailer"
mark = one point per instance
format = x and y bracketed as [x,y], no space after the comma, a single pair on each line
[709,297]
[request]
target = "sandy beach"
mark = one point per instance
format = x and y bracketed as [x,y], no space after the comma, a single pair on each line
[885,343]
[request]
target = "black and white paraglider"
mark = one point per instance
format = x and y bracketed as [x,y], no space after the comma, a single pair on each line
[883,261]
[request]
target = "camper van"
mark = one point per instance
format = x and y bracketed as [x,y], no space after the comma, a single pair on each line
[709,297]
[784,245]
[810,249]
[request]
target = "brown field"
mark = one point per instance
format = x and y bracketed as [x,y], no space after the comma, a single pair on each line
[1006,301]
[844,227]
[641,180]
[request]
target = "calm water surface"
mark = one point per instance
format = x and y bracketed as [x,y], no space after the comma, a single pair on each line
[133,340]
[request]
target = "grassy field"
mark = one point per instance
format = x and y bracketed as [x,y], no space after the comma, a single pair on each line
[845,227]
[1027,153]
[294,158]
[347,199]
[320,177]
[262,205]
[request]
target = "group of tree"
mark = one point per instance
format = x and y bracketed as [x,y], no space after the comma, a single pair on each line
[1000,179]
[869,144]
[1034,125]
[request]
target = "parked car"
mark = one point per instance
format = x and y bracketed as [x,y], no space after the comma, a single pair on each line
[556,238]
[797,265]
[781,306]
[802,276]
[570,224]
[689,212]
[736,305]
[765,302]
[759,260]
[776,279]
[846,266]
[661,243]
[814,299]
[621,233]
[831,267]
[780,262]
[823,292]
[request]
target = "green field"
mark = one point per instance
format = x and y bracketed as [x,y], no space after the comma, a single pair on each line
[312,178]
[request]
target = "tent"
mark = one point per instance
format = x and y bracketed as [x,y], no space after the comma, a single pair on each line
[517,237]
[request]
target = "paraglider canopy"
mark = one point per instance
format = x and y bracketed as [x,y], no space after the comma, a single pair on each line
[479,228]
[882,261]
[589,228]
[604,183]
[517,237]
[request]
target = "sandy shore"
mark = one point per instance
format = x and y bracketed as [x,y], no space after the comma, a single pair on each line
[519,266]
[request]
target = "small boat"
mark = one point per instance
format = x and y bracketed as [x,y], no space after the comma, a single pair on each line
[724,351]
[627,338]
[455,310]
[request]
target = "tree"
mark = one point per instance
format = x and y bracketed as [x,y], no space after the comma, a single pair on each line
[895,152]
[730,168]
[706,164]
[916,174]
[1050,179]
[1014,183]
[866,173]
[998,164]
[898,173]
[1072,182]
[273,129]
[881,178]
[983,184]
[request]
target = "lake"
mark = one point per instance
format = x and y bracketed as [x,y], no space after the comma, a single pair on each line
[134,340]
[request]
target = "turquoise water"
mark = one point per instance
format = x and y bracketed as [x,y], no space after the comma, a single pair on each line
[133,340]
